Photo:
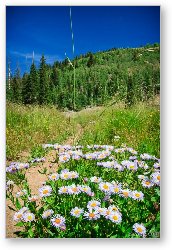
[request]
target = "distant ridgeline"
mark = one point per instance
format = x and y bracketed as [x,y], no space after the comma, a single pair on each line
[128,75]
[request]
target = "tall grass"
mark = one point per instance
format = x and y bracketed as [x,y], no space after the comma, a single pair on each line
[138,127]
[30,126]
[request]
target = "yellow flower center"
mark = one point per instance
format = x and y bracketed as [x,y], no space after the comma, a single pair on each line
[76,212]
[137,195]
[57,221]
[53,176]
[115,217]
[105,186]
[147,182]
[91,215]
[29,217]
[116,190]
[64,158]
[66,175]
[74,189]
[158,177]
[64,190]
[115,209]
[125,193]
[93,204]
[139,229]
[19,216]
[85,189]
[131,167]
[45,191]
[108,212]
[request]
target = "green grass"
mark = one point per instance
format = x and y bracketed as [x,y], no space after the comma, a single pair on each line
[29,126]
[138,127]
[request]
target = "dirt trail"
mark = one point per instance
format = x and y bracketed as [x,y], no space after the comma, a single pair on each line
[35,179]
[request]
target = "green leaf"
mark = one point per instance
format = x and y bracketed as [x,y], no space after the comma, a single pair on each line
[19,224]
[18,205]
[114,236]
[153,199]
[31,234]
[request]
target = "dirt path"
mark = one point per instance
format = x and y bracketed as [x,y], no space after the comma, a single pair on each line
[35,179]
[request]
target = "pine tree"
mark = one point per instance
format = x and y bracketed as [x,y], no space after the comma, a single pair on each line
[43,83]
[91,60]
[26,89]
[130,92]
[34,84]
[16,86]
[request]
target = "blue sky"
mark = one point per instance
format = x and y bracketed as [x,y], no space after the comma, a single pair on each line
[46,30]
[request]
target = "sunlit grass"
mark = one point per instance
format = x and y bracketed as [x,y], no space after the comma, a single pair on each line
[30,126]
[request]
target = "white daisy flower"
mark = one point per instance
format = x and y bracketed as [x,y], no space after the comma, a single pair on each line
[156,165]
[114,208]
[54,177]
[142,177]
[155,177]
[95,179]
[119,167]
[125,162]
[58,221]
[115,217]
[63,190]
[132,166]
[18,216]
[65,176]
[85,189]
[106,213]
[115,189]
[76,212]
[119,150]
[139,229]
[73,189]
[105,186]
[92,215]
[90,156]
[74,175]
[142,164]
[28,217]
[45,191]
[64,158]
[146,156]
[23,209]
[47,213]
[136,195]
[94,204]
[76,157]
[147,183]
[125,193]
[132,151]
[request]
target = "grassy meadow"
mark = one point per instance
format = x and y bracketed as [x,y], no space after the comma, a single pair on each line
[106,188]
[29,127]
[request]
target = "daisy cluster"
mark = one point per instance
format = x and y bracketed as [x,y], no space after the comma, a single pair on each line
[140,166]
[24,215]
[16,166]
[64,175]
[110,188]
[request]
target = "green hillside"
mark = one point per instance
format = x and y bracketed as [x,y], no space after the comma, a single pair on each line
[128,75]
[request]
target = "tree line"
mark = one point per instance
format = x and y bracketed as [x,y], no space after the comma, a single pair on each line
[128,75]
